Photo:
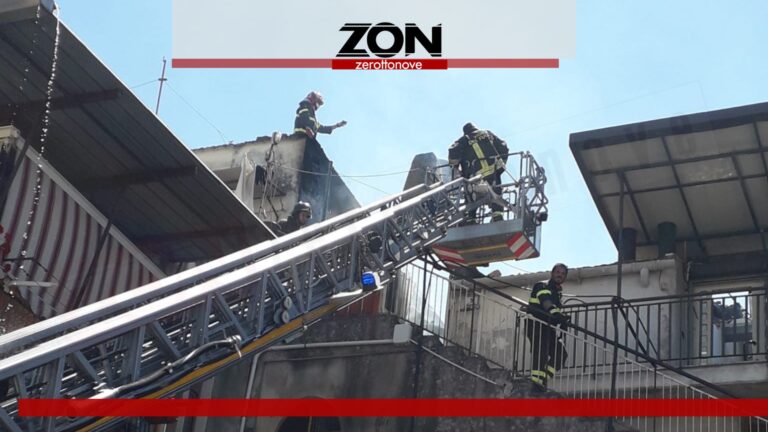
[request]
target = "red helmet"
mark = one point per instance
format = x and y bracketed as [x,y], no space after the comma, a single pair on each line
[315,98]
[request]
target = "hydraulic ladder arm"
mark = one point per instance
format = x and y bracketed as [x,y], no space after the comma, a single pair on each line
[204,321]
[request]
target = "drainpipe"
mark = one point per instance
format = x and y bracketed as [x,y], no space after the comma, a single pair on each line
[616,302]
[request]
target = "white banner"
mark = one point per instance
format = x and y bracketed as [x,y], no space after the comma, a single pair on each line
[398,29]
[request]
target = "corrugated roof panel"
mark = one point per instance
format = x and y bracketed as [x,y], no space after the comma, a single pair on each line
[757,189]
[606,184]
[752,165]
[109,145]
[713,142]
[711,179]
[650,178]
[719,208]
[703,171]
[624,155]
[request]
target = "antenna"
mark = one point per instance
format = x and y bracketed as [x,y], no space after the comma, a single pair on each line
[162,79]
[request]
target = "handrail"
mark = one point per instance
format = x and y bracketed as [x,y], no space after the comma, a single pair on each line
[651,360]
[673,296]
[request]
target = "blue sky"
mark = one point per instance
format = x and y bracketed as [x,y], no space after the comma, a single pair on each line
[635,61]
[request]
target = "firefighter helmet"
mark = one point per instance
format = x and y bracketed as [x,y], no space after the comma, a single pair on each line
[315,98]
[469,128]
[302,206]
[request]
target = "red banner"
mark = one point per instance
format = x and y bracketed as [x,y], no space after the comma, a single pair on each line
[393,407]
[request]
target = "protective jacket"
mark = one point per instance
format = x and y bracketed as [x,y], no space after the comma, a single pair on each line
[541,292]
[288,225]
[305,119]
[479,152]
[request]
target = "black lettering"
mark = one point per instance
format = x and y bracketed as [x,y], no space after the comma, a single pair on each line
[373,44]
[349,49]
[433,46]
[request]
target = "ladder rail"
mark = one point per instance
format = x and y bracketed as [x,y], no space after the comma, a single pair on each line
[46,329]
[283,283]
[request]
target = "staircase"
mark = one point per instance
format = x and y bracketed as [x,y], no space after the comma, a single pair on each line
[490,325]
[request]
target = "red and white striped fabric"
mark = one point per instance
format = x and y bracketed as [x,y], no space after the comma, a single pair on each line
[61,233]
[451,257]
[521,247]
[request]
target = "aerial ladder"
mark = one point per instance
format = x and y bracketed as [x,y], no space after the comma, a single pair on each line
[160,339]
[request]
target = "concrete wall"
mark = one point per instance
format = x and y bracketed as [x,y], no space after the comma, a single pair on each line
[225,161]
[379,371]
[300,173]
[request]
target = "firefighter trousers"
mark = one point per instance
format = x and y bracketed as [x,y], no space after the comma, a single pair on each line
[496,210]
[548,352]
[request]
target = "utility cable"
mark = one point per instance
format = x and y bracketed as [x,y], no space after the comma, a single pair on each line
[370,186]
[143,84]
[221,134]
[232,342]
[348,175]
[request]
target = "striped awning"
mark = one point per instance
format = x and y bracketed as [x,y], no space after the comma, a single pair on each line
[111,147]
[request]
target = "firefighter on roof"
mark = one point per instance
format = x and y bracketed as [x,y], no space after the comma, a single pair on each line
[306,123]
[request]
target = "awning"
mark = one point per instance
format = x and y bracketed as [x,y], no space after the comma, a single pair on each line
[113,149]
[707,173]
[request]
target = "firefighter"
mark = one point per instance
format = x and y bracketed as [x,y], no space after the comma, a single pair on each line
[547,349]
[300,215]
[306,123]
[480,152]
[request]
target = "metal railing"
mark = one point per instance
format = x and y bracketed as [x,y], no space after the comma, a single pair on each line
[522,185]
[462,313]
[715,327]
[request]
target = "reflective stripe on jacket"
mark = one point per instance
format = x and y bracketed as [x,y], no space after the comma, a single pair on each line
[542,292]
[305,119]
[477,153]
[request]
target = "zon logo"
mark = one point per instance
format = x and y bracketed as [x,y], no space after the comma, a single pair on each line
[394,39]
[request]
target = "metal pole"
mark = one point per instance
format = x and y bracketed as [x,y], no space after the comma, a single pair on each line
[328,189]
[88,279]
[616,300]
[159,93]
[417,369]
[472,318]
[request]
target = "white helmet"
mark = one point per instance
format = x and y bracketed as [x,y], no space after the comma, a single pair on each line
[315,98]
